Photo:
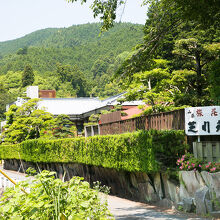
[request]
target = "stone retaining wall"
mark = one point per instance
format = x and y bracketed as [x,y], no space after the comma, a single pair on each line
[200,191]
[194,191]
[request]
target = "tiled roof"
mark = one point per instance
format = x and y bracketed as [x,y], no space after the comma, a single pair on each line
[131,112]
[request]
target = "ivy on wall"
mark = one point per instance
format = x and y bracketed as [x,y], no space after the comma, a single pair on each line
[145,151]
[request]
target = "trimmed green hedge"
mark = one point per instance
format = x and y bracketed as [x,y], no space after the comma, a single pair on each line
[138,151]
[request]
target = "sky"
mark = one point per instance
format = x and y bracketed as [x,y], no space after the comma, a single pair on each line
[21,17]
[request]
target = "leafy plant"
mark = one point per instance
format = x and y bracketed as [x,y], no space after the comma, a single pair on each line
[51,198]
[63,127]
[28,122]
[144,151]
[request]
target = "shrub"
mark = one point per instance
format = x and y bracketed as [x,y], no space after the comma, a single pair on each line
[189,162]
[144,151]
[51,198]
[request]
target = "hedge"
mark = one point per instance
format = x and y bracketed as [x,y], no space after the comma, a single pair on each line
[138,151]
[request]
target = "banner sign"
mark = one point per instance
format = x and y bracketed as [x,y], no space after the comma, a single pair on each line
[202,120]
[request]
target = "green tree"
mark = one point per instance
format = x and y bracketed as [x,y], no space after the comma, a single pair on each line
[63,127]
[22,51]
[26,122]
[185,28]
[59,46]
[11,81]
[99,67]
[197,56]
[159,34]
[204,12]
[105,9]
[27,76]
[5,98]
[29,122]
[189,50]
[152,86]
[73,75]
[215,81]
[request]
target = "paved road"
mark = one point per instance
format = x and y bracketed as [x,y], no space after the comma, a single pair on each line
[14,174]
[124,209]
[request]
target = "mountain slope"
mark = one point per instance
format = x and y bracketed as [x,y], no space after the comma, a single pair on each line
[33,39]
[79,44]
[76,61]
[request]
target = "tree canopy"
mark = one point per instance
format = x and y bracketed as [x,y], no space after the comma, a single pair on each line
[29,122]
[175,64]
[189,53]
[27,76]
[206,12]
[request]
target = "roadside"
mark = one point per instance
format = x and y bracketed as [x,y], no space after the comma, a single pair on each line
[14,174]
[124,209]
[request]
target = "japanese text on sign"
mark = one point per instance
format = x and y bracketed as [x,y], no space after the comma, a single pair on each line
[202,120]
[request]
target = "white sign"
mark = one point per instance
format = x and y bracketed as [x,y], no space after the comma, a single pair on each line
[202,120]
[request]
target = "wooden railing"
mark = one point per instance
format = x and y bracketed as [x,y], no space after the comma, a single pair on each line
[161,121]
[6,181]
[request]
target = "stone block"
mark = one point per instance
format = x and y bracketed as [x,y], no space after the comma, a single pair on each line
[201,199]
[212,180]
[173,191]
[133,180]
[183,193]
[158,186]
[191,181]
[149,193]
[209,206]
[188,205]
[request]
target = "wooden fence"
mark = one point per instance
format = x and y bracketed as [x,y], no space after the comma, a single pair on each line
[209,151]
[161,121]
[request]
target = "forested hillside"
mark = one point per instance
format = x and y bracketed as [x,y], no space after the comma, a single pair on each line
[76,61]
[79,45]
[33,39]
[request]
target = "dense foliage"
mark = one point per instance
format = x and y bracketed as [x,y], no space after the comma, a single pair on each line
[144,151]
[204,12]
[78,44]
[75,61]
[27,76]
[50,198]
[5,98]
[185,35]
[28,122]
[174,65]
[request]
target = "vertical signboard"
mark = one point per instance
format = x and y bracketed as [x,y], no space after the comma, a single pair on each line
[202,120]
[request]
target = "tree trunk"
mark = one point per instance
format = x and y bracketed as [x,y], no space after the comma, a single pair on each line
[149,84]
